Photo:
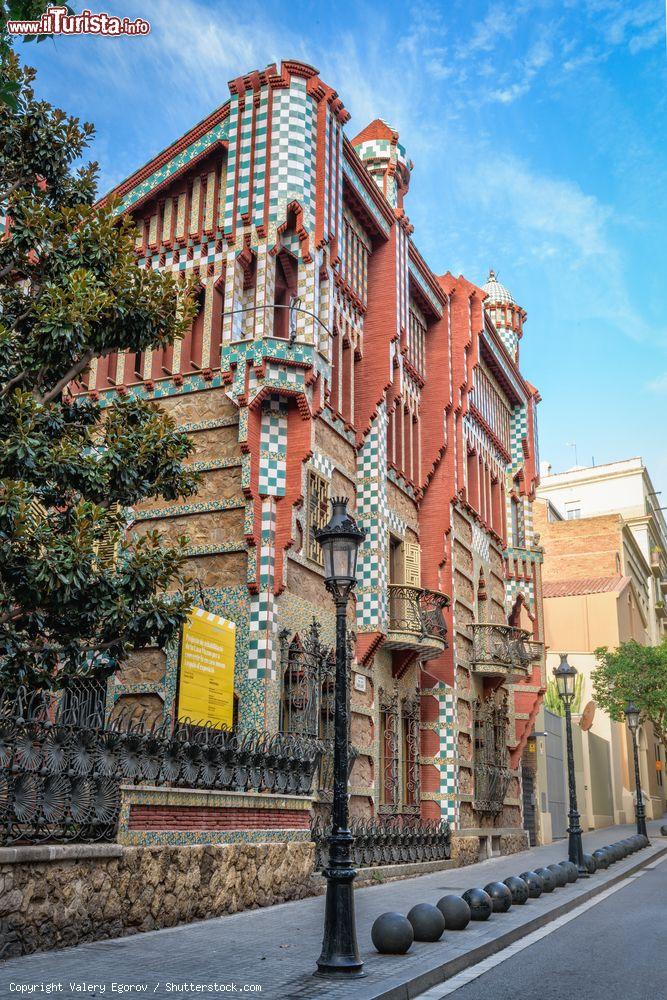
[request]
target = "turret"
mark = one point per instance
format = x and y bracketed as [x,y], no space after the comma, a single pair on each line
[385,159]
[507,317]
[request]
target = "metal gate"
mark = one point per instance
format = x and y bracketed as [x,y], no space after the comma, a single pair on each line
[528,785]
[553,725]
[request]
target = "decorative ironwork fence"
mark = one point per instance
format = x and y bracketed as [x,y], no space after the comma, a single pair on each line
[388,841]
[60,777]
[307,707]
[491,760]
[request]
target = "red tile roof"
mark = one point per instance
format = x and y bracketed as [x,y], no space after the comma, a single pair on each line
[588,585]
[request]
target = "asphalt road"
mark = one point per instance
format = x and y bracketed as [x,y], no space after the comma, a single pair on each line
[616,950]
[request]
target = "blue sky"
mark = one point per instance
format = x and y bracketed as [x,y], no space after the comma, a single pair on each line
[537,130]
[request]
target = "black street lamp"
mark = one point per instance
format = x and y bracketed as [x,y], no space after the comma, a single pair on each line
[632,719]
[565,681]
[340,540]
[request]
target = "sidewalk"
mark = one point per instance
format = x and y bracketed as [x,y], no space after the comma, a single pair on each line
[277,947]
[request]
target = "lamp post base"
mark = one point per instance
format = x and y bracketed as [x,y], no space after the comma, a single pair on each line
[340,956]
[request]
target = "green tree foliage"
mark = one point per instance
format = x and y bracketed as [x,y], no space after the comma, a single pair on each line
[76,596]
[633,673]
[17,10]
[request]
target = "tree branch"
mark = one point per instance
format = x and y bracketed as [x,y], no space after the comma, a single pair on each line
[8,386]
[75,370]
[13,187]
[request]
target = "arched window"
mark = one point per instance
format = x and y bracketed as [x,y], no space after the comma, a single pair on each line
[287,283]
[197,335]
[481,597]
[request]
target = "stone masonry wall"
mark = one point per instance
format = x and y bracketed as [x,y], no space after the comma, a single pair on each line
[54,897]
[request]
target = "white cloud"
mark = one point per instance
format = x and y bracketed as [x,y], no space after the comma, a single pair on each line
[524,71]
[543,206]
[499,23]
[658,384]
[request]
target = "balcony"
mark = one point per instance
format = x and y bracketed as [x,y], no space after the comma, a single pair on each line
[656,562]
[503,651]
[416,621]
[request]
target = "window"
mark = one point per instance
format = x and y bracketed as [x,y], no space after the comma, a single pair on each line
[317,513]
[287,283]
[516,523]
[573,510]
[389,747]
[354,259]
[417,341]
[84,702]
[410,756]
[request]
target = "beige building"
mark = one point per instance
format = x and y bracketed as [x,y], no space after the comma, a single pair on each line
[596,593]
[623,489]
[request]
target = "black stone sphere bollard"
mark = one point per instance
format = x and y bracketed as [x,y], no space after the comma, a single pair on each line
[427,921]
[535,884]
[590,864]
[548,878]
[392,934]
[518,888]
[663,830]
[455,911]
[616,852]
[613,855]
[481,906]
[501,896]
[559,874]
[570,870]
[601,858]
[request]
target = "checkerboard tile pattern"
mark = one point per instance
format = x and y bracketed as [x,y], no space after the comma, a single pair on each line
[293,152]
[262,651]
[273,448]
[448,735]
[515,587]
[480,542]
[373,513]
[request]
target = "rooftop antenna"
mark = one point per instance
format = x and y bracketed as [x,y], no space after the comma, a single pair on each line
[573,444]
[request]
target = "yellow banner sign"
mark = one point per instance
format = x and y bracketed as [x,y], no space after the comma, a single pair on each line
[206,669]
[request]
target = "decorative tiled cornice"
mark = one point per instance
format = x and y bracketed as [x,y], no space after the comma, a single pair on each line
[184,510]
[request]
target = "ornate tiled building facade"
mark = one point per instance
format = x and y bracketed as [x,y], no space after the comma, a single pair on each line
[327,358]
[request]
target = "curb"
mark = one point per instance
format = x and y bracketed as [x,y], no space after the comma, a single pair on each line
[434,977]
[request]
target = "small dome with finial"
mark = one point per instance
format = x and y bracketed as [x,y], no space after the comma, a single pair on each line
[497,293]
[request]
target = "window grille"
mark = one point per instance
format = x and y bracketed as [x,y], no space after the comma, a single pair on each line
[389,751]
[491,761]
[410,724]
[318,513]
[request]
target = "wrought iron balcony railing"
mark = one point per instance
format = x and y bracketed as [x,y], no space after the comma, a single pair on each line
[416,613]
[502,650]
